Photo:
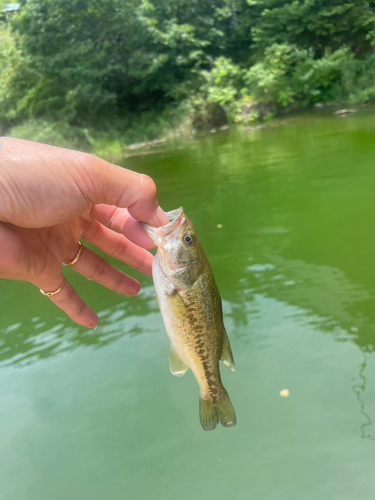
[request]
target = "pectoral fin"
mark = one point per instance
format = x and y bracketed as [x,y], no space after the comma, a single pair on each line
[176,365]
[227,356]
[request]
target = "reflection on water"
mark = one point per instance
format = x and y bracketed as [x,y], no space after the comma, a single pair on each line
[324,295]
[325,299]
[359,390]
[31,341]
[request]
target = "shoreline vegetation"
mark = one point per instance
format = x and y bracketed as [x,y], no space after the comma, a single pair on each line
[118,79]
[107,146]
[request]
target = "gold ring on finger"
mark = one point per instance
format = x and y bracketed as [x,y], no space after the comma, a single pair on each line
[51,294]
[76,258]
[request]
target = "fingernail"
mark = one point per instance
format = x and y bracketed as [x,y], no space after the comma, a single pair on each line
[136,288]
[161,217]
[91,320]
[129,286]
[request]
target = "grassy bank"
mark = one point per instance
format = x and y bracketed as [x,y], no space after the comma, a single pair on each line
[117,140]
[108,140]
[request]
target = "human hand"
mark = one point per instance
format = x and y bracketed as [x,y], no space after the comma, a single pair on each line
[51,198]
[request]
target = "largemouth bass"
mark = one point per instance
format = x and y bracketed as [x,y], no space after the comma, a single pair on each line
[190,304]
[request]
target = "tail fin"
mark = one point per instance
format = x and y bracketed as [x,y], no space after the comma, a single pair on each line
[213,411]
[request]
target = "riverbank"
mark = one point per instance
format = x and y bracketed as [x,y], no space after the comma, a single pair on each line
[111,140]
[148,134]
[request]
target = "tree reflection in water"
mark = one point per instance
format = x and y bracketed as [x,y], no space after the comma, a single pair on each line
[39,337]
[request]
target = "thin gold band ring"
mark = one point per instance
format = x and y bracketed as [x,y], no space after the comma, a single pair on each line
[51,294]
[76,258]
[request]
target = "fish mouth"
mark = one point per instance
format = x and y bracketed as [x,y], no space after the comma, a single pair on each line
[176,218]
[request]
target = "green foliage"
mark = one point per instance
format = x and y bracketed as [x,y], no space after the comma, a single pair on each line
[3,4]
[289,75]
[52,132]
[223,82]
[76,54]
[111,139]
[358,79]
[203,115]
[84,59]
[315,24]
[285,77]
[86,62]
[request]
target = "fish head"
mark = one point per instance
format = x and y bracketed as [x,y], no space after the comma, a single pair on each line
[180,254]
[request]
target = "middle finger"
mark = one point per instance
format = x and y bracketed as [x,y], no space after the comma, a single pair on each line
[95,268]
[120,221]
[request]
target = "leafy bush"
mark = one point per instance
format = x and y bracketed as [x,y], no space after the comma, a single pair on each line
[288,75]
[59,133]
[216,100]
[358,79]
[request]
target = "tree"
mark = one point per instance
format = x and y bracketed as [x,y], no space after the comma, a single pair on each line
[316,24]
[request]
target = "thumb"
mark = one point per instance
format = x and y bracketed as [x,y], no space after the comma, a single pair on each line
[124,188]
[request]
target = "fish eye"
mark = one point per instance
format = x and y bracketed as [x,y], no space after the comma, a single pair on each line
[188,239]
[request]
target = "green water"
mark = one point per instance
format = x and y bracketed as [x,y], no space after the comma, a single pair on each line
[97,415]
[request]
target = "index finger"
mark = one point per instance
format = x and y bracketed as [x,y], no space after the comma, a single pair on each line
[120,221]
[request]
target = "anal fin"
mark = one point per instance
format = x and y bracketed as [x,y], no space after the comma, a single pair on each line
[226,355]
[176,365]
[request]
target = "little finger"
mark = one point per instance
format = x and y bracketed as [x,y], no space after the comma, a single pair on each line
[60,292]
